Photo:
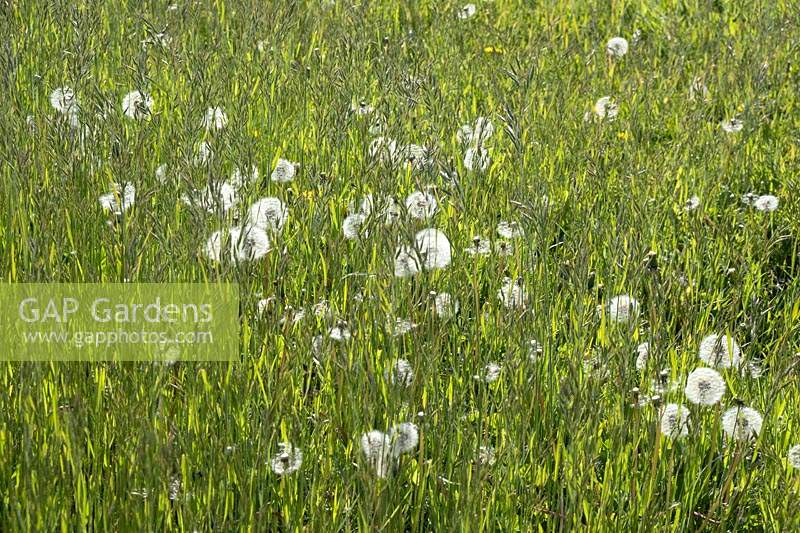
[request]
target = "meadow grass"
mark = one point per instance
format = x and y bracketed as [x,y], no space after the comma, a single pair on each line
[146,447]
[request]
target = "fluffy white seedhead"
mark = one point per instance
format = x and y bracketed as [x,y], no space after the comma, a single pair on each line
[269,214]
[445,305]
[405,438]
[617,47]
[642,355]
[467,11]
[215,119]
[353,227]
[63,100]
[406,262]
[766,203]
[242,244]
[704,386]
[480,246]
[720,351]
[288,459]
[512,294]
[733,125]
[794,456]
[421,205]
[377,449]
[741,423]
[216,197]
[137,105]
[510,230]
[434,248]
[622,308]
[400,373]
[477,159]
[605,108]
[119,199]
[284,172]
[674,421]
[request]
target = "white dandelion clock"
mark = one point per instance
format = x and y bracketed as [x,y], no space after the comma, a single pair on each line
[401,326]
[504,248]
[215,119]
[269,214]
[741,423]
[361,109]
[216,197]
[733,125]
[510,230]
[288,460]
[262,305]
[119,199]
[415,155]
[353,227]
[605,108]
[766,203]
[490,373]
[406,262]
[421,205]
[284,171]
[692,203]
[243,244]
[137,105]
[434,248]
[340,332]
[617,47]
[674,421]
[404,437]
[477,159]
[445,305]
[721,351]
[622,308]
[400,373]
[480,246]
[467,11]
[704,386]
[512,294]
[475,134]
[364,207]
[794,456]
[63,100]
[377,449]
[161,173]
[642,356]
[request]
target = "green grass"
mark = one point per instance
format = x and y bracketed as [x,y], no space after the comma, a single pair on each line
[78,440]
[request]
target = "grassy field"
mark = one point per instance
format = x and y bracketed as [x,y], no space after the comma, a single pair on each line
[529,398]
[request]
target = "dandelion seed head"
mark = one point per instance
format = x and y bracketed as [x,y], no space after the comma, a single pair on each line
[215,119]
[674,421]
[510,230]
[733,125]
[445,305]
[741,423]
[137,105]
[288,460]
[490,373]
[487,456]
[421,205]
[119,199]
[477,159]
[383,149]
[406,262]
[704,386]
[400,373]
[269,214]
[377,448]
[284,171]
[605,108]
[721,351]
[512,294]
[622,308]
[480,246]
[404,437]
[467,11]
[434,248]
[617,47]
[766,203]
[63,100]
[642,355]
[353,227]
[692,203]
